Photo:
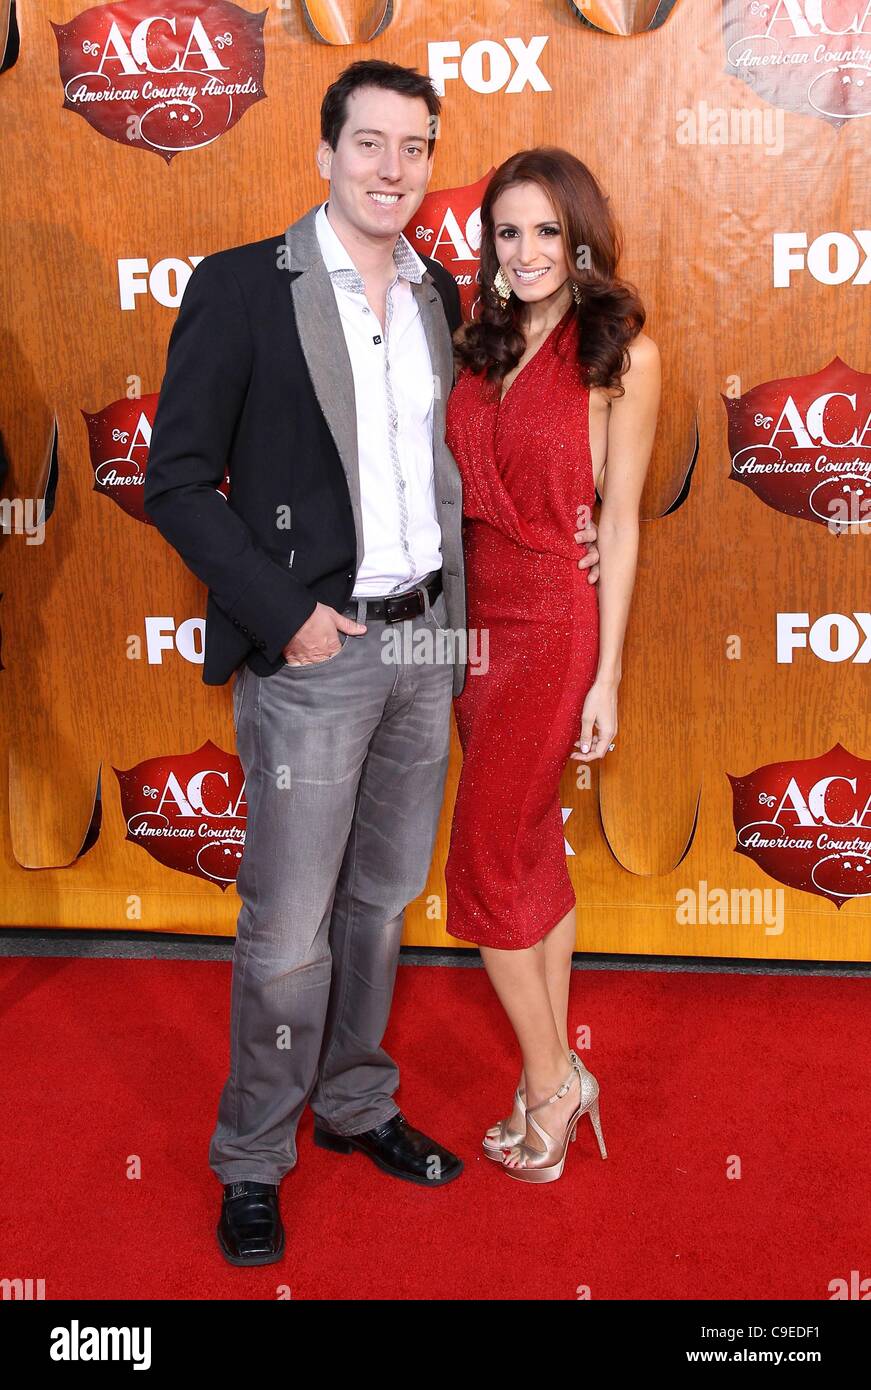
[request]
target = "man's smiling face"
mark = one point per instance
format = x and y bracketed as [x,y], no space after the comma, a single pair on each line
[381,166]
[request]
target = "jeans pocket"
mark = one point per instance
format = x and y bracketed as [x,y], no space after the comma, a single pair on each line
[309,666]
[238,694]
[438,611]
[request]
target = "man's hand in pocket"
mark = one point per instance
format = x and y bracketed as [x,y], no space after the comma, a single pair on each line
[318,638]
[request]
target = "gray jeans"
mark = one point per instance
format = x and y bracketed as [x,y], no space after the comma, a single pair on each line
[345,764]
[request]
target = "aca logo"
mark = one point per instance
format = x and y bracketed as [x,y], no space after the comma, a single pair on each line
[188,811]
[119,437]
[447,227]
[164,81]
[803,446]
[807,56]
[808,823]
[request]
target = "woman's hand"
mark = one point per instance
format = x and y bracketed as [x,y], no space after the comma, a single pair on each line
[598,721]
[587,534]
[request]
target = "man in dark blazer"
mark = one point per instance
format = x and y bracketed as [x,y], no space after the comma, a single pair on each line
[344,749]
[315,367]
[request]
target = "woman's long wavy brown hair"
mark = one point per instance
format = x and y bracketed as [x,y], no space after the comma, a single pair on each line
[610,314]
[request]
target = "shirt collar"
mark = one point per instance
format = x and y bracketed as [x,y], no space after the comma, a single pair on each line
[336,258]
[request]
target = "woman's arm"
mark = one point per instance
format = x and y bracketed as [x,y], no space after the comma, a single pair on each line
[631,431]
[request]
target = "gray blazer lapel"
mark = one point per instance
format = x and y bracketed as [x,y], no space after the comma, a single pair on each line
[322,339]
[446,475]
[438,341]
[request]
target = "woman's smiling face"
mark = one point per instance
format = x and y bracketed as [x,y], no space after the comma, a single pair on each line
[529,242]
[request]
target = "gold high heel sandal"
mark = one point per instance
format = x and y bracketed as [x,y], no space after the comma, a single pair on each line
[501,1136]
[547,1165]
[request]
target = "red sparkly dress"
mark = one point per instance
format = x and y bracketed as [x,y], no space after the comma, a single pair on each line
[526,467]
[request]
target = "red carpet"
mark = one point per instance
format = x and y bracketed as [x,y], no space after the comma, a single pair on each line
[108,1059]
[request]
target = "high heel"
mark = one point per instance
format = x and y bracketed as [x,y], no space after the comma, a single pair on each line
[501,1136]
[594,1107]
[547,1165]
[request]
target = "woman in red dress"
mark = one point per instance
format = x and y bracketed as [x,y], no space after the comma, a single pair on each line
[555,376]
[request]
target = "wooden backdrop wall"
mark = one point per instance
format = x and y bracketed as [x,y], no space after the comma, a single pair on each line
[737,168]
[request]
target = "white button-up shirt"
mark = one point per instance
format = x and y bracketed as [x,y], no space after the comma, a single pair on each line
[394,393]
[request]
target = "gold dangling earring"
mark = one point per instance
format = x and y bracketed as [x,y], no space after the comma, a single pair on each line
[502,286]
[577,292]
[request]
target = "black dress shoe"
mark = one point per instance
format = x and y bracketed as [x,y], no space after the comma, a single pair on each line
[250,1230]
[398,1149]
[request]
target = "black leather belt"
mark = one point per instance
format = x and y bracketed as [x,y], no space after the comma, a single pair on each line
[394,607]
